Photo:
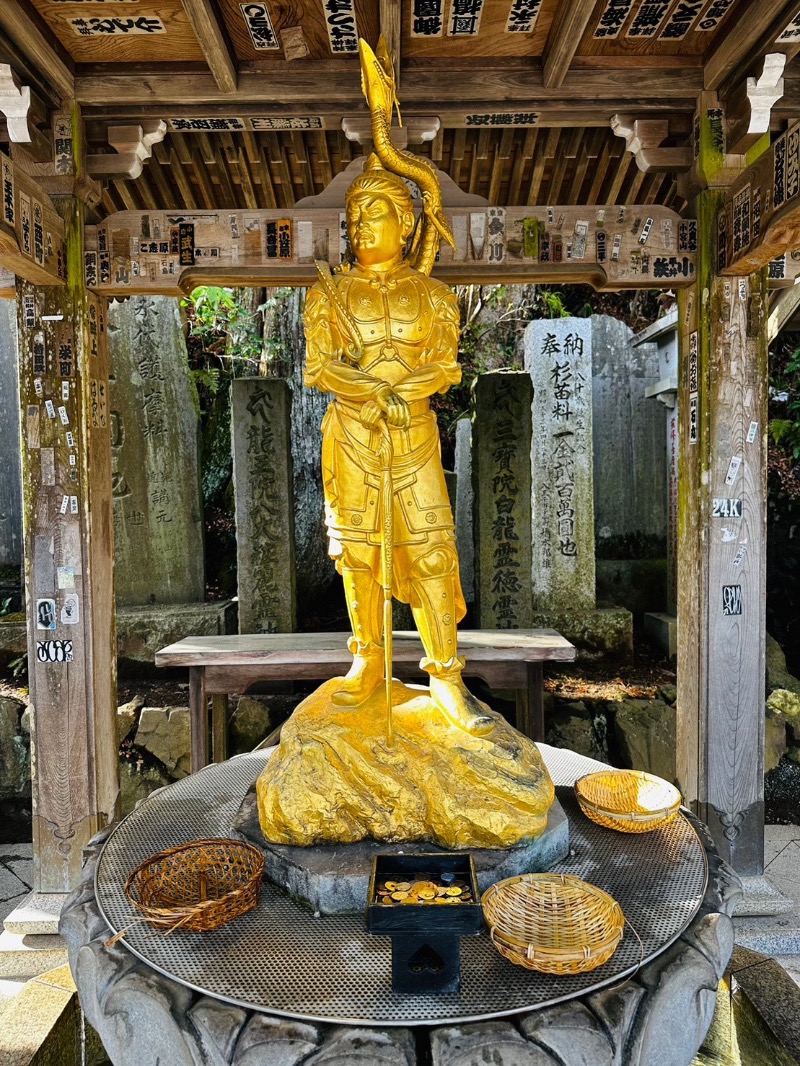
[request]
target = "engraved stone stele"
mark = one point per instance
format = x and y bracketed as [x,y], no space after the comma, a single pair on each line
[464,509]
[558,357]
[10,476]
[158,518]
[262,478]
[501,481]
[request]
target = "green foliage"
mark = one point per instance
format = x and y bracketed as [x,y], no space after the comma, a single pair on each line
[785,390]
[18,668]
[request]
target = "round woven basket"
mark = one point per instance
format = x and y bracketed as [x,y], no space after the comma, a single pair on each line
[197,886]
[553,923]
[628,800]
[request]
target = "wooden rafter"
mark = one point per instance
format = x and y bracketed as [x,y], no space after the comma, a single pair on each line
[565,35]
[390,24]
[34,43]
[753,35]
[212,39]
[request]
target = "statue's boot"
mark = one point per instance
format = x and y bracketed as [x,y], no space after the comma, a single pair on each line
[364,605]
[434,609]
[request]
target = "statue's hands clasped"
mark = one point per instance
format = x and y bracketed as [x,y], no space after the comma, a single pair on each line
[388,405]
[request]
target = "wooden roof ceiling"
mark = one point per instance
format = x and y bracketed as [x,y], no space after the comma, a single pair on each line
[524,89]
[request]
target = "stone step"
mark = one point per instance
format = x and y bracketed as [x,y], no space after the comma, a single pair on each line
[26,955]
[38,914]
[772,935]
[762,898]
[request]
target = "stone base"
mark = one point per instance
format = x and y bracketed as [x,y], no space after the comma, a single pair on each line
[29,956]
[662,630]
[334,878]
[602,630]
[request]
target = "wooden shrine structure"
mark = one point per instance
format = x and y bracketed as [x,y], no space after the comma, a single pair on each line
[626,143]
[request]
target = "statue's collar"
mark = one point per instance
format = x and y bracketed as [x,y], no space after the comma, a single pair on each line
[382,277]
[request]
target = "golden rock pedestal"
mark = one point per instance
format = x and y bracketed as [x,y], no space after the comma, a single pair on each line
[334,779]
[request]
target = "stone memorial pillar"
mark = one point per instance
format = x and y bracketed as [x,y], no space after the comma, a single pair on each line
[558,357]
[262,478]
[501,479]
[158,513]
[464,508]
[10,475]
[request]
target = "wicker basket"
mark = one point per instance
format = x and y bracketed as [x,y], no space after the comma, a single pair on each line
[198,886]
[553,923]
[628,800]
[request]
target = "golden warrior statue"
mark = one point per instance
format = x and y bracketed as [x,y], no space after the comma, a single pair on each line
[383,338]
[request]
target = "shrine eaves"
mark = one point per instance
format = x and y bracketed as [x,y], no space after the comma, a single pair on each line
[247,109]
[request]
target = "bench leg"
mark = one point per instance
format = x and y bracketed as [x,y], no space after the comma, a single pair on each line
[198,718]
[219,727]
[530,704]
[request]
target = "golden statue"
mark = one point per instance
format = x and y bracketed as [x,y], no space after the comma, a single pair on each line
[382,337]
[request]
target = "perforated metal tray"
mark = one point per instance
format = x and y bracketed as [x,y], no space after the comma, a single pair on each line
[279,958]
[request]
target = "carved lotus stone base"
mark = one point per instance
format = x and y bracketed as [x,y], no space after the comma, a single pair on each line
[335,779]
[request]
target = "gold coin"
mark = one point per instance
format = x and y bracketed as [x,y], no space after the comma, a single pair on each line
[452,899]
[427,893]
[387,901]
[453,891]
[390,886]
[407,900]
[441,899]
[419,885]
[441,890]
[399,895]
[403,886]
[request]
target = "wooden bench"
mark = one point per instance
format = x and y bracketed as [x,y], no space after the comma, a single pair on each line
[220,666]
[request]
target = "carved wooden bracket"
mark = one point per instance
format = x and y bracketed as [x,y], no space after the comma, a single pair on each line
[415,130]
[133,147]
[642,139]
[15,102]
[750,104]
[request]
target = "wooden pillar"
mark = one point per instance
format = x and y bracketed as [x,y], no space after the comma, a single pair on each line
[721,547]
[66,450]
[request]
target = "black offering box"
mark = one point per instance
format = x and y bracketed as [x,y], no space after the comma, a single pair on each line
[426,955]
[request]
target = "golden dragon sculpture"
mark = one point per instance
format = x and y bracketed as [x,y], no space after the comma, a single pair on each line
[378,86]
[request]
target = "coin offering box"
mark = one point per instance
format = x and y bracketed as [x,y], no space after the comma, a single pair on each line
[424,902]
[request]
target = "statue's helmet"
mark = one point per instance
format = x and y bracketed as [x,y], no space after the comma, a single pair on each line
[381,182]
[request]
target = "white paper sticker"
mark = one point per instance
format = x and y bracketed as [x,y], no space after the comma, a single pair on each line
[70,440]
[50,407]
[64,390]
[62,414]
[64,504]
[73,505]
[733,469]
[37,386]
[65,577]
[69,610]
[752,432]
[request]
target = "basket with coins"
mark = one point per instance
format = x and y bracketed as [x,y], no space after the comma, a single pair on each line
[197,886]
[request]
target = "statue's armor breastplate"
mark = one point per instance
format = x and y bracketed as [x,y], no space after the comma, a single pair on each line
[394,317]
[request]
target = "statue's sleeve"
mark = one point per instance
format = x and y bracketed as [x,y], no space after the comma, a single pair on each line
[322,343]
[443,352]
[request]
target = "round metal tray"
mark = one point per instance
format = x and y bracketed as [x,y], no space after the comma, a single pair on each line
[280,959]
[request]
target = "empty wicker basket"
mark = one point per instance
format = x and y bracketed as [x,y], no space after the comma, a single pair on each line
[553,923]
[197,886]
[628,800]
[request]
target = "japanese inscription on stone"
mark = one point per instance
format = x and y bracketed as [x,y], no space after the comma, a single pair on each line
[262,476]
[558,355]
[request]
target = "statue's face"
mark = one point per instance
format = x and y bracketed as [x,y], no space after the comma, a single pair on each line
[377,232]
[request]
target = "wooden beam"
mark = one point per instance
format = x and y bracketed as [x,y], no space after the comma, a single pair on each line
[565,36]
[241,250]
[33,42]
[748,109]
[747,40]
[760,217]
[785,306]
[212,39]
[315,88]
[389,16]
